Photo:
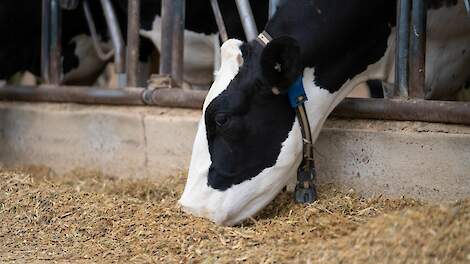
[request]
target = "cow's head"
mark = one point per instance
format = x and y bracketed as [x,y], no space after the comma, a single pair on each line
[248,143]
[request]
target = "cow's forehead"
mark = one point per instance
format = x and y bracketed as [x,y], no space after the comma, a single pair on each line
[232,60]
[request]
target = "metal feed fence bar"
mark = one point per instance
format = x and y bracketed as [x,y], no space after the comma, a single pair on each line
[166,46]
[178,14]
[402,52]
[219,20]
[51,41]
[386,109]
[246,16]
[45,40]
[55,42]
[172,42]
[132,55]
[117,40]
[418,49]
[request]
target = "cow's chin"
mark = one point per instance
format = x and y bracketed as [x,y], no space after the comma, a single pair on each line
[240,201]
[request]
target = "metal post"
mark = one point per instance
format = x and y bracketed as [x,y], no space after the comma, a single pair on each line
[45,33]
[418,49]
[166,37]
[133,26]
[178,42]
[383,109]
[117,40]
[246,16]
[219,20]
[55,42]
[402,48]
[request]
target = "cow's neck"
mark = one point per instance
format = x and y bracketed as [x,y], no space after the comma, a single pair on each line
[335,59]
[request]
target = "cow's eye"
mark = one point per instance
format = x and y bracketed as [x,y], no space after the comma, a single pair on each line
[221,119]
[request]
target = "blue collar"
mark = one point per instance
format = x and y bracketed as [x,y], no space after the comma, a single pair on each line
[296,93]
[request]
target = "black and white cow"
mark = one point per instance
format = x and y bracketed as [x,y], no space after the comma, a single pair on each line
[20,23]
[201,29]
[248,144]
[20,49]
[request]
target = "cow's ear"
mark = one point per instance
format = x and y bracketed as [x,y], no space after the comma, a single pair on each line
[280,63]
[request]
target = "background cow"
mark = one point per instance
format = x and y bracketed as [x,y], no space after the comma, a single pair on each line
[21,22]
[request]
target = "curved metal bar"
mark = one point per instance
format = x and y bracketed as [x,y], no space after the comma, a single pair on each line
[117,40]
[94,36]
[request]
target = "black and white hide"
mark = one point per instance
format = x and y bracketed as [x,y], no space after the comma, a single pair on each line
[248,144]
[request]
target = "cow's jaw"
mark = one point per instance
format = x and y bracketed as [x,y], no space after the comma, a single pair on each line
[243,200]
[240,201]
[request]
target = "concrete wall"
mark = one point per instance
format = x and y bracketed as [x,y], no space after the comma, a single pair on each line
[429,161]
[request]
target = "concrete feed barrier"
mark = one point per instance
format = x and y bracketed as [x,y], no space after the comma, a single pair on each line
[422,160]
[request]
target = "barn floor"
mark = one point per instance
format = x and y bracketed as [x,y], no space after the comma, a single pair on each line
[85,217]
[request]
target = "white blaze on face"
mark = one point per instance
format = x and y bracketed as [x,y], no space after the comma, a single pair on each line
[243,200]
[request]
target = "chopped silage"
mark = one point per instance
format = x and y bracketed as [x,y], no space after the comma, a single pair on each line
[87,217]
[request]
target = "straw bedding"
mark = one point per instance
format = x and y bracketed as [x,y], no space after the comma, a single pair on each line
[85,217]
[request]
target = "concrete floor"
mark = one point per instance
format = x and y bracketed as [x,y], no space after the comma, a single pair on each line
[423,160]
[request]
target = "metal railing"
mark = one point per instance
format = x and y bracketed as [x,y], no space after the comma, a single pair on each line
[405,102]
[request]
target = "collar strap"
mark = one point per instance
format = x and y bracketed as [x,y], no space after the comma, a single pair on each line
[297,98]
[305,189]
[296,93]
[264,38]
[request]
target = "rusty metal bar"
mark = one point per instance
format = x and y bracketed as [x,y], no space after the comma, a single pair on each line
[246,16]
[133,27]
[45,38]
[168,97]
[55,65]
[219,20]
[385,109]
[178,41]
[117,40]
[165,97]
[402,50]
[418,49]
[166,38]
[405,110]
[76,94]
